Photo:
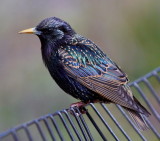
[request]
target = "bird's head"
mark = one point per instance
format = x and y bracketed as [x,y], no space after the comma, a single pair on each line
[50,29]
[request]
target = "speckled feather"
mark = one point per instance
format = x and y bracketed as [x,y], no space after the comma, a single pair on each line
[88,65]
[83,70]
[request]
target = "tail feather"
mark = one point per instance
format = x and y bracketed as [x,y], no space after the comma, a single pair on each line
[145,111]
[138,120]
[136,110]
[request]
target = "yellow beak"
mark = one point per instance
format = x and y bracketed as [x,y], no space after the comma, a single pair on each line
[28,31]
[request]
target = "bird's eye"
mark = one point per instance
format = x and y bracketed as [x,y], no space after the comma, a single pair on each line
[46,30]
[63,29]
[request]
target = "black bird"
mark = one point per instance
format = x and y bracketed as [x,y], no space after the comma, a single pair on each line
[83,70]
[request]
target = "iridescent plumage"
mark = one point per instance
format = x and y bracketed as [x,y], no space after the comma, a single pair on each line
[82,70]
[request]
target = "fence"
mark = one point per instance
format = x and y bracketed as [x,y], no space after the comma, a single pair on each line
[101,121]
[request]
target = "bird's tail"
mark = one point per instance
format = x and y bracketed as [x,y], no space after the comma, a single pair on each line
[138,119]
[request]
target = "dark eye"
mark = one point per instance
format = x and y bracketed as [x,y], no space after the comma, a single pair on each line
[63,29]
[46,30]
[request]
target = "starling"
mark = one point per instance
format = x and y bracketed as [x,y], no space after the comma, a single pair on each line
[83,70]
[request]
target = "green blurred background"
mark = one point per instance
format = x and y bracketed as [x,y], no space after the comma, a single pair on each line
[128,31]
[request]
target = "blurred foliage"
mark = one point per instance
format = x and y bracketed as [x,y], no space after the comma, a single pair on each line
[128,31]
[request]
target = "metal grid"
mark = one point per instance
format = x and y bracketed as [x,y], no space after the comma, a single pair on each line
[100,122]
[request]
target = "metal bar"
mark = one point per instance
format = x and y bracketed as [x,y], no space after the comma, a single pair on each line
[152,90]
[115,121]
[150,74]
[4,134]
[40,130]
[85,125]
[130,121]
[73,126]
[152,128]
[96,126]
[155,73]
[28,133]
[147,101]
[66,126]
[49,129]
[104,122]
[56,127]
[79,123]
[15,137]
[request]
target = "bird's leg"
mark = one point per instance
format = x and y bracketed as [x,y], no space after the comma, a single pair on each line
[80,105]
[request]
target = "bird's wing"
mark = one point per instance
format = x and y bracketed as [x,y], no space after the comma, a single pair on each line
[105,78]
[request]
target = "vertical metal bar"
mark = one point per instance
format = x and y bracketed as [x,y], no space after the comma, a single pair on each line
[66,126]
[79,123]
[130,121]
[155,73]
[28,133]
[96,126]
[105,123]
[49,129]
[72,124]
[56,127]
[152,128]
[15,137]
[152,90]
[147,101]
[40,130]
[85,125]
[115,121]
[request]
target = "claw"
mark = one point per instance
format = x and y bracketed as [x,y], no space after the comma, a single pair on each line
[80,105]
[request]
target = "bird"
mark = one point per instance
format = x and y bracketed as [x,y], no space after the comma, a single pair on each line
[83,70]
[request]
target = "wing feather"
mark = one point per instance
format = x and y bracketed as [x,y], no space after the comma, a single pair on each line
[104,77]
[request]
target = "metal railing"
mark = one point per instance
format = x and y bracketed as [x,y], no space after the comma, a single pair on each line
[101,121]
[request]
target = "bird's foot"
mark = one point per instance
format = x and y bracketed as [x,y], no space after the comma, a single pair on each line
[80,105]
